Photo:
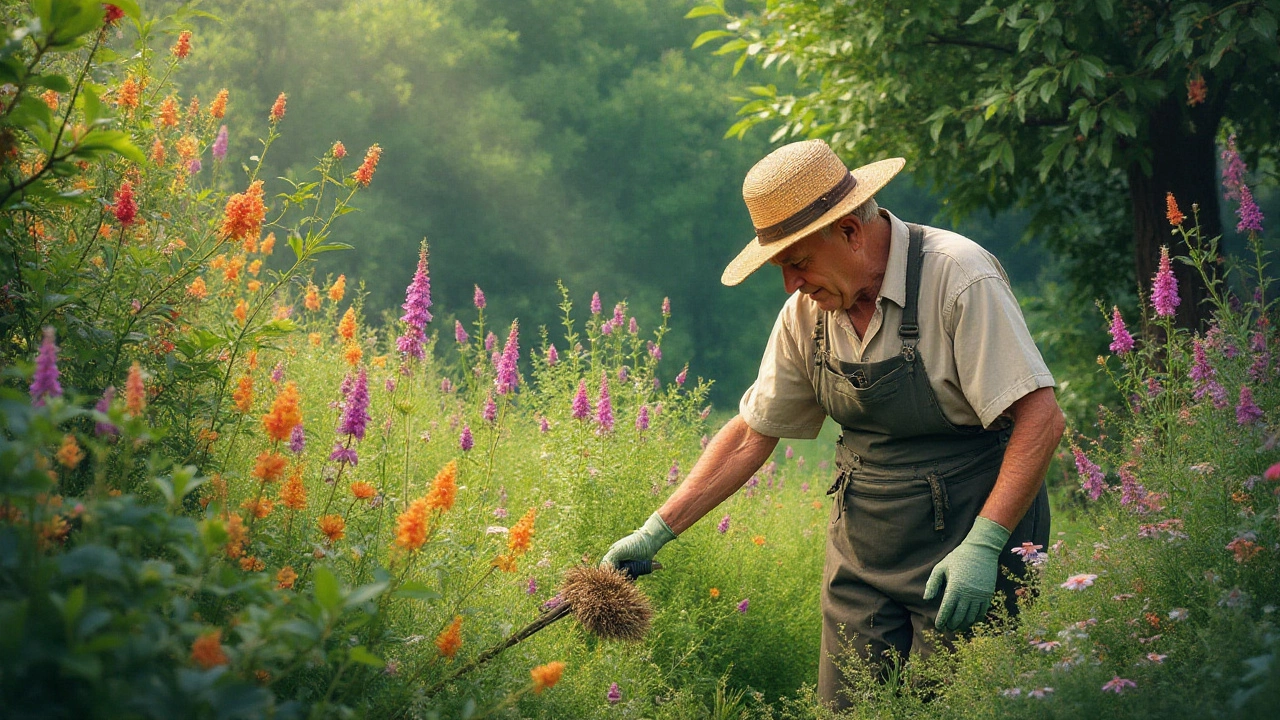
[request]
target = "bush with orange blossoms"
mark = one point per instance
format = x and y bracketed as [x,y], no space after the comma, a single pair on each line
[135,392]
[338,288]
[251,359]
[444,488]
[253,286]
[241,313]
[520,539]
[1172,212]
[186,147]
[269,466]
[347,325]
[218,108]
[242,396]
[450,639]
[157,152]
[268,244]
[50,98]
[362,490]
[334,527]
[352,353]
[311,300]
[286,578]
[128,93]
[412,525]
[314,339]
[505,563]
[285,414]
[182,48]
[193,109]
[207,650]
[293,494]
[244,213]
[259,508]
[69,453]
[197,289]
[277,108]
[252,563]
[168,114]
[545,676]
[235,264]
[237,536]
[364,173]
[255,267]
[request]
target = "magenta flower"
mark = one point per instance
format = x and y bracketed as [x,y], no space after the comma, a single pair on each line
[742,606]
[532,587]
[655,352]
[614,696]
[633,327]
[723,527]
[1248,212]
[1233,170]
[298,439]
[683,375]
[1121,340]
[1201,370]
[489,341]
[581,406]
[460,334]
[194,166]
[1247,411]
[553,357]
[508,366]
[355,412]
[220,144]
[1218,394]
[1091,475]
[104,406]
[465,440]
[1260,367]
[1079,582]
[277,373]
[342,454]
[446,385]
[416,315]
[1272,473]
[479,298]
[595,304]
[606,327]
[674,473]
[544,425]
[1118,685]
[1164,288]
[1131,491]
[789,453]
[45,381]
[604,406]
[490,412]
[666,306]
[1258,341]
[642,418]
[619,314]
[389,385]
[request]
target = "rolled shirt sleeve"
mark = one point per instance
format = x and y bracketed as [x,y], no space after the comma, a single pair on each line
[782,401]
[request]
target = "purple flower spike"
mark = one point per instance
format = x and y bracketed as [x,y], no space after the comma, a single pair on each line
[489,341]
[466,441]
[194,166]
[490,412]
[220,144]
[606,327]
[544,425]
[619,314]
[1164,288]
[614,696]
[416,315]
[479,298]
[604,406]
[723,527]
[1091,475]
[595,304]
[674,473]
[553,357]
[355,413]
[655,352]
[790,453]
[459,333]
[633,327]
[1247,411]
[581,406]
[1121,340]
[342,454]
[45,381]
[298,439]
[446,385]
[684,375]
[532,587]
[1233,170]
[508,365]
[1248,212]
[104,406]
[742,606]
[1131,491]
[666,306]
[277,373]
[642,418]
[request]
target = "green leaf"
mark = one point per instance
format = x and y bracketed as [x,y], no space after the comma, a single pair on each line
[361,655]
[1264,23]
[57,83]
[731,46]
[981,14]
[365,593]
[327,593]
[130,8]
[91,105]
[416,591]
[704,11]
[1105,10]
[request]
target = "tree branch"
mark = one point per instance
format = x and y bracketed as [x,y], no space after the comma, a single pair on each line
[964,42]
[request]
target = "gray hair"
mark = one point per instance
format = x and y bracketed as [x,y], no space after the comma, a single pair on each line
[867,212]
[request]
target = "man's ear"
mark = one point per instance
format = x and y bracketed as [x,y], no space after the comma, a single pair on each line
[851,227]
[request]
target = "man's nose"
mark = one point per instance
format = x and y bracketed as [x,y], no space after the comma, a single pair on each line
[791,279]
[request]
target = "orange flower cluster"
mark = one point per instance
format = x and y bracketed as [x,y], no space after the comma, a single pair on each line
[347,325]
[352,352]
[269,466]
[135,393]
[218,108]
[285,414]
[338,288]
[314,338]
[128,93]
[254,267]
[259,508]
[1244,549]
[252,360]
[182,48]
[50,98]
[237,536]
[207,651]
[242,396]
[545,676]
[312,299]
[169,112]
[1197,91]
[411,526]
[364,173]
[334,527]
[362,490]
[715,593]
[268,244]
[277,108]
[339,150]
[157,152]
[444,488]
[758,539]
[294,494]
[186,147]
[253,286]
[286,578]
[244,213]
[450,639]
[241,313]
[252,563]
[1172,212]
[193,108]
[197,289]
[70,454]
[520,539]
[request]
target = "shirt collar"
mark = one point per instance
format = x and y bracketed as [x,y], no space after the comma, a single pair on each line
[894,285]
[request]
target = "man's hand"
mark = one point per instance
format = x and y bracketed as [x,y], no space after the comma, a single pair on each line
[969,572]
[642,544]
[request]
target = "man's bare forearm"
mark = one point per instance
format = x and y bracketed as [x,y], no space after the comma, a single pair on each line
[731,457]
[1037,428]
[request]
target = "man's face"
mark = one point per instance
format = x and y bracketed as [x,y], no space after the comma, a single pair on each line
[822,268]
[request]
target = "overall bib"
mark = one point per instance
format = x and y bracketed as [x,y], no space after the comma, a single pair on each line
[910,486]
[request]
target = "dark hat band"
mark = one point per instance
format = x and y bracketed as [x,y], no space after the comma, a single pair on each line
[808,213]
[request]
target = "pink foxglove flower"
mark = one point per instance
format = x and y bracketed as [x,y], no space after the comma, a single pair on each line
[604,406]
[1247,411]
[666,306]
[642,418]
[723,527]
[596,307]
[459,333]
[479,298]
[508,365]
[355,412]
[490,412]
[614,696]
[1121,340]
[1164,288]
[682,375]
[104,406]
[742,606]
[298,439]
[581,406]
[416,315]
[1248,212]
[1092,479]
[44,383]
[553,357]
[220,144]
[465,440]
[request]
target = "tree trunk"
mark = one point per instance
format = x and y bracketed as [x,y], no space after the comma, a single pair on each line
[1183,162]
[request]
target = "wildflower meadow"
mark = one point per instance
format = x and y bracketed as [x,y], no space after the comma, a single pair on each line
[226,491]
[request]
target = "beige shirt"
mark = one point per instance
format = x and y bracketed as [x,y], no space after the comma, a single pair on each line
[976,348]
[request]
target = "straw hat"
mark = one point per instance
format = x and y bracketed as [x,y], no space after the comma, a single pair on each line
[796,190]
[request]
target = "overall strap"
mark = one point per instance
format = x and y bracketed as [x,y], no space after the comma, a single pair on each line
[820,341]
[909,329]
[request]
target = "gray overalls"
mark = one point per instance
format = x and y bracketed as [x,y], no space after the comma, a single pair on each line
[910,486]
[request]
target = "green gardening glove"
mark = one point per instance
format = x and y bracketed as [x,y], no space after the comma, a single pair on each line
[642,544]
[969,572]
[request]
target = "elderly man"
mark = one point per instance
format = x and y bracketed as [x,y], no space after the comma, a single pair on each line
[910,338]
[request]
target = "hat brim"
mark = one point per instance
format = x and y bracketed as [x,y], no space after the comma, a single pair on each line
[870,178]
